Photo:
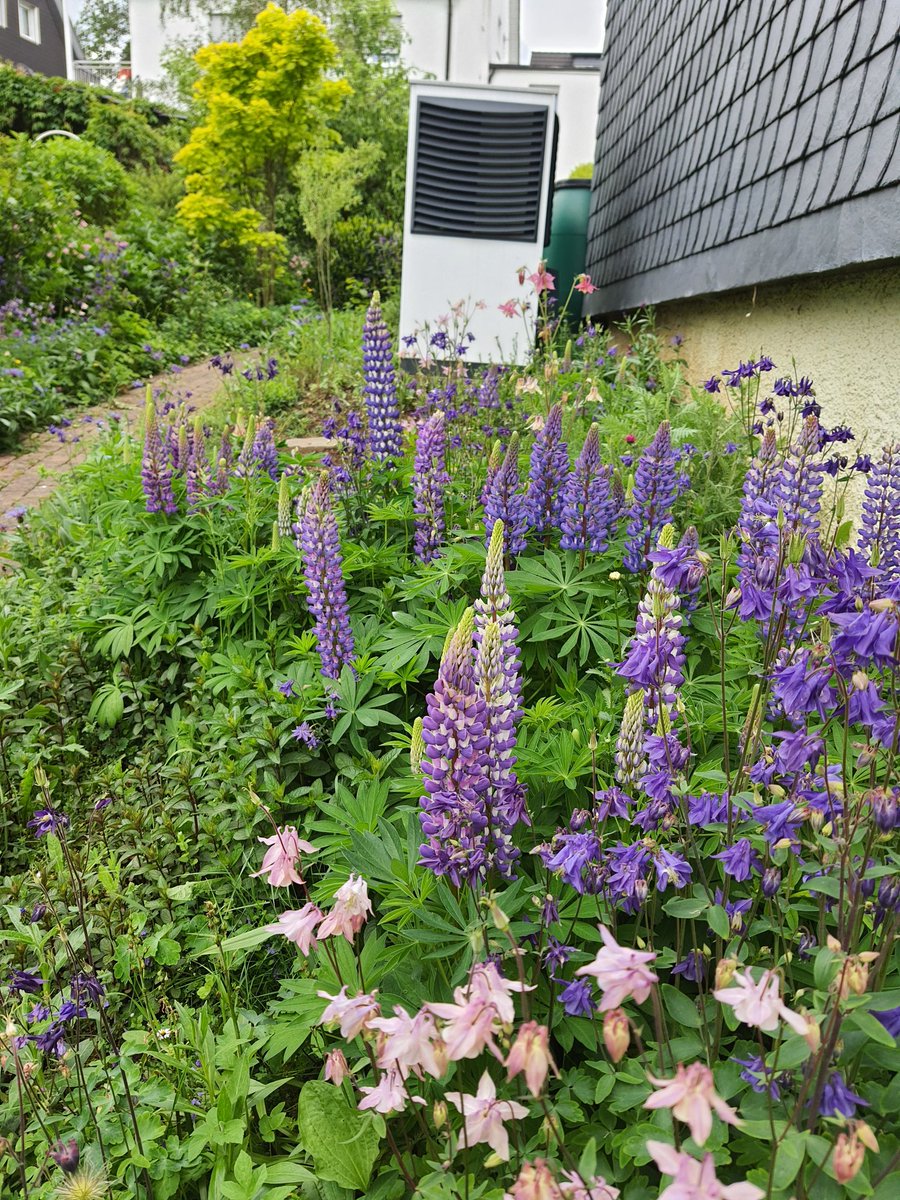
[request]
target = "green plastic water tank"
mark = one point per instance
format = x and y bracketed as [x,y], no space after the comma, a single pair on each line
[566,252]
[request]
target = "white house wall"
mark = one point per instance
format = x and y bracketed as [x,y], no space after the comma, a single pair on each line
[578,101]
[151,34]
[481,32]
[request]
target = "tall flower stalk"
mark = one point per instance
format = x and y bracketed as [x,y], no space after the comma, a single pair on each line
[879,526]
[504,502]
[493,604]
[319,543]
[156,467]
[587,506]
[549,468]
[430,480]
[385,430]
[655,486]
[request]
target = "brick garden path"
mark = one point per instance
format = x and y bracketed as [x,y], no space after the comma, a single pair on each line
[29,477]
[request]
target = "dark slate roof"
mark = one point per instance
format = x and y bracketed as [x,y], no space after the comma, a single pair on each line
[743,140]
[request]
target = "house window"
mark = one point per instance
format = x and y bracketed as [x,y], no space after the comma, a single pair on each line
[3,21]
[30,23]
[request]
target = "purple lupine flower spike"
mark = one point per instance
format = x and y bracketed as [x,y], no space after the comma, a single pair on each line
[655,657]
[247,465]
[587,507]
[263,449]
[630,742]
[549,468]
[385,430]
[319,542]
[156,470]
[495,459]
[489,391]
[655,486]
[798,488]
[197,475]
[505,503]
[429,481]
[454,768]
[505,798]
[760,478]
[494,605]
[879,526]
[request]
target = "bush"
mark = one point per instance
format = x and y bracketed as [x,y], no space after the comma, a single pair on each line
[98,185]
[366,256]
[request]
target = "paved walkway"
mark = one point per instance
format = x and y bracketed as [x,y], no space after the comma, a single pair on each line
[32,475]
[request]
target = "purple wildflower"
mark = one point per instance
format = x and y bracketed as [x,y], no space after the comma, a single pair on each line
[197,474]
[549,468]
[798,487]
[263,450]
[879,529]
[740,860]
[48,820]
[26,982]
[286,687]
[385,430]
[505,503]
[156,469]
[493,604]
[319,542]
[653,496]
[576,998]
[838,1100]
[587,507]
[430,478]
[304,733]
[655,655]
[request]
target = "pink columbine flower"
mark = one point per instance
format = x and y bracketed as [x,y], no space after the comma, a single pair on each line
[694,1180]
[759,1004]
[352,1013]
[583,284]
[530,1053]
[298,926]
[336,1067]
[509,308]
[692,1096]
[389,1095]
[280,858]
[542,279]
[410,1043]
[620,973]
[481,1009]
[349,914]
[484,1116]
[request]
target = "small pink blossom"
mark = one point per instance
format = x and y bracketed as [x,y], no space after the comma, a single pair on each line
[530,1053]
[692,1096]
[759,1004]
[410,1043]
[620,973]
[694,1180]
[389,1095]
[349,914]
[535,1181]
[298,926]
[484,1116]
[336,1067]
[584,285]
[509,308]
[280,858]
[481,1010]
[574,1186]
[352,1013]
[542,280]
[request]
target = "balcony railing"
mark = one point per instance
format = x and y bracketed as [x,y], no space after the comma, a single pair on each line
[115,75]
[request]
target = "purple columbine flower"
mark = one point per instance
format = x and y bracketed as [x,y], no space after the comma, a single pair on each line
[156,469]
[740,860]
[505,503]
[587,506]
[653,495]
[25,982]
[319,543]
[838,1100]
[304,733]
[48,820]
[547,475]
[430,478]
[879,527]
[576,998]
[385,430]
[890,1019]
[286,687]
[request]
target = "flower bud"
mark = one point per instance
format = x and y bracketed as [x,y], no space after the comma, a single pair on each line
[847,1158]
[439,1114]
[857,976]
[725,969]
[771,882]
[66,1156]
[616,1034]
[499,917]
[812,1035]
[336,1067]
[867,1137]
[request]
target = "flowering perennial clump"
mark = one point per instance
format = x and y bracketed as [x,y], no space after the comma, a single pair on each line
[156,468]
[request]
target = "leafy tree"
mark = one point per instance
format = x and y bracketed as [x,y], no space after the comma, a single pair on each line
[103,28]
[328,183]
[264,101]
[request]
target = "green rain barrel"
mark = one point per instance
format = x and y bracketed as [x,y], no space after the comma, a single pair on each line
[566,251]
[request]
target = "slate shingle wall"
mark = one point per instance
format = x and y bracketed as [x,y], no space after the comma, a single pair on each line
[743,140]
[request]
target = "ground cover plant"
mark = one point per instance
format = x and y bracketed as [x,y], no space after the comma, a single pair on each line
[504,805]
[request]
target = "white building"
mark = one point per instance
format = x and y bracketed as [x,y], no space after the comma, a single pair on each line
[457,41]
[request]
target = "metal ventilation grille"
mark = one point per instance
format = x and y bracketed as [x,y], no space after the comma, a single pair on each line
[479,167]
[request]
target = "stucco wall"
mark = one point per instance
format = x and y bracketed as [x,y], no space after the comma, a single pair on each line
[842,329]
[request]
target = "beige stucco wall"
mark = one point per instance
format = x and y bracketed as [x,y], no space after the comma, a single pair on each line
[841,329]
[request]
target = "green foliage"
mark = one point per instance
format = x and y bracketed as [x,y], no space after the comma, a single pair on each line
[96,182]
[264,101]
[366,255]
[582,171]
[103,29]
